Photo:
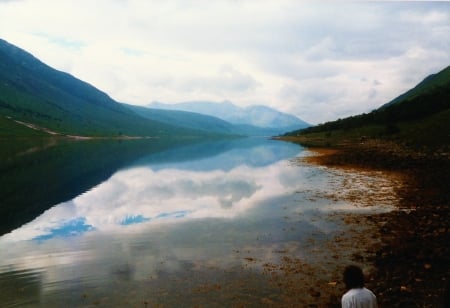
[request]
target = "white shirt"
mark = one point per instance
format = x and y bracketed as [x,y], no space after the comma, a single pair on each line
[359,298]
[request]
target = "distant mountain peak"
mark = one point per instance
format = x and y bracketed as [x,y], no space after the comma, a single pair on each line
[40,96]
[256,115]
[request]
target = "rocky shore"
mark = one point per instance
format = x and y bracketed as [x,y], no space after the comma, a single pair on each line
[412,264]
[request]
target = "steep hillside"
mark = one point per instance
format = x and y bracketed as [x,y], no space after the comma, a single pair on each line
[420,116]
[33,93]
[411,136]
[429,84]
[11,128]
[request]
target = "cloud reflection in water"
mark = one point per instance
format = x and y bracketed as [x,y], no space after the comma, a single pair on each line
[172,216]
[173,191]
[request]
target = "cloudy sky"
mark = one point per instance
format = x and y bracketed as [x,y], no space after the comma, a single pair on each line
[319,60]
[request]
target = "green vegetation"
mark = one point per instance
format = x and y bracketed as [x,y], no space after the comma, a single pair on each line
[34,93]
[418,118]
[185,119]
[47,101]
[428,85]
[409,135]
[10,128]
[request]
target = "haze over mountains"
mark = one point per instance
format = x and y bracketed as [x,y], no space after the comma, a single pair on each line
[222,117]
[36,99]
[255,116]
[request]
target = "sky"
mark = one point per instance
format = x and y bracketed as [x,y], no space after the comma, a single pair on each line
[318,60]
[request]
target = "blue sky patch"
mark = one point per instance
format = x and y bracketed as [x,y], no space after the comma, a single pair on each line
[131,220]
[70,228]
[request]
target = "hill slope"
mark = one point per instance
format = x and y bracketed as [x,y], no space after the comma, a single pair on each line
[411,136]
[420,116]
[205,123]
[34,93]
[429,84]
[248,119]
[185,119]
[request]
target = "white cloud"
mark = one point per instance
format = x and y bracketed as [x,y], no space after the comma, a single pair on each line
[278,53]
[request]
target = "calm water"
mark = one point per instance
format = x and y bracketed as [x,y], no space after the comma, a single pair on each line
[157,224]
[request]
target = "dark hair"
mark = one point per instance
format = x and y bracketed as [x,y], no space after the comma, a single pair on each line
[353,277]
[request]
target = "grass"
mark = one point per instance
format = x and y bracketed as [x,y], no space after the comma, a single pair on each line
[10,128]
[431,134]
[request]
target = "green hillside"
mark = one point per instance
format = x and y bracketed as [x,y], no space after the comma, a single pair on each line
[419,117]
[32,92]
[205,123]
[185,119]
[429,84]
[10,128]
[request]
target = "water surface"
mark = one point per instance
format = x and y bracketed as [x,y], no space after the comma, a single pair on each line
[191,224]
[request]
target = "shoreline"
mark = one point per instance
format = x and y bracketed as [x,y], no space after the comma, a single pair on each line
[395,228]
[411,267]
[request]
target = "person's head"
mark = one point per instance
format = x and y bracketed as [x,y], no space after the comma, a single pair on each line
[353,277]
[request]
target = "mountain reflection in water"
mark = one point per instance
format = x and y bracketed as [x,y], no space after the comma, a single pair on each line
[164,222]
[215,179]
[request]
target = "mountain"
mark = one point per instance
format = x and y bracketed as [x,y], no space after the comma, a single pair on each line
[420,116]
[186,119]
[429,84]
[205,123]
[36,99]
[250,119]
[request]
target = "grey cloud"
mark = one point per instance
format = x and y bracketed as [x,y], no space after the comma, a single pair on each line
[356,32]
[161,192]
[292,42]
[312,94]
[227,192]
[225,81]
[372,93]
[295,67]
